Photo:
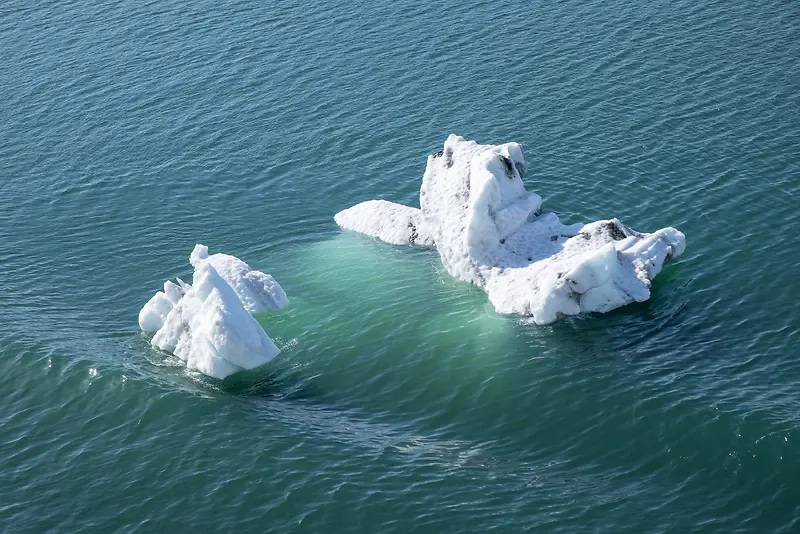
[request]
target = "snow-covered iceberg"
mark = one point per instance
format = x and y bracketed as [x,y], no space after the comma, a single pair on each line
[208,324]
[490,231]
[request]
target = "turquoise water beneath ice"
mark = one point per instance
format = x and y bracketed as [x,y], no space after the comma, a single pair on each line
[129,131]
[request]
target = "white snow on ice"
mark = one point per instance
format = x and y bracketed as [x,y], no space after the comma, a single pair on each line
[259,292]
[208,324]
[489,231]
[390,222]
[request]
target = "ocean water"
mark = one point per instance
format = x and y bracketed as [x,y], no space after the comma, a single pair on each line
[129,131]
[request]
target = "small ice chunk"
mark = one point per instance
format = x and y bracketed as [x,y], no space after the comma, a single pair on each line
[259,292]
[211,331]
[208,324]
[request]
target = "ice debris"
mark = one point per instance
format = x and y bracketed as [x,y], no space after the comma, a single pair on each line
[490,231]
[208,324]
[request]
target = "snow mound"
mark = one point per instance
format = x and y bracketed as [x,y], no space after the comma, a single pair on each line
[489,231]
[208,324]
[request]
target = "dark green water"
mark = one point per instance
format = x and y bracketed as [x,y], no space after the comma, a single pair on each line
[129,131]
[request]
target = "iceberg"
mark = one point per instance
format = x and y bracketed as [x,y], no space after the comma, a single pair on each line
[208,324]
[490,231]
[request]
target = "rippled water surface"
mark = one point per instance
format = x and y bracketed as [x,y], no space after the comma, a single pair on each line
[130,131]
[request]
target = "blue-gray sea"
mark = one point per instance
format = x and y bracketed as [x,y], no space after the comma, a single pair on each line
[130,131]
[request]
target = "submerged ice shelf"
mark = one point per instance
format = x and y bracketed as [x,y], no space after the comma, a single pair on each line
[490,231]
[208,324]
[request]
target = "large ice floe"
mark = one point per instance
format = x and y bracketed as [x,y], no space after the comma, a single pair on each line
[208,324]
[490,231]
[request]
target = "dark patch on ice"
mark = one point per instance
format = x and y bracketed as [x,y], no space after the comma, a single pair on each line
[481,281]
[520,168]
[617,233]
[414,233]
[628,230]
[509,169]
[448,156]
